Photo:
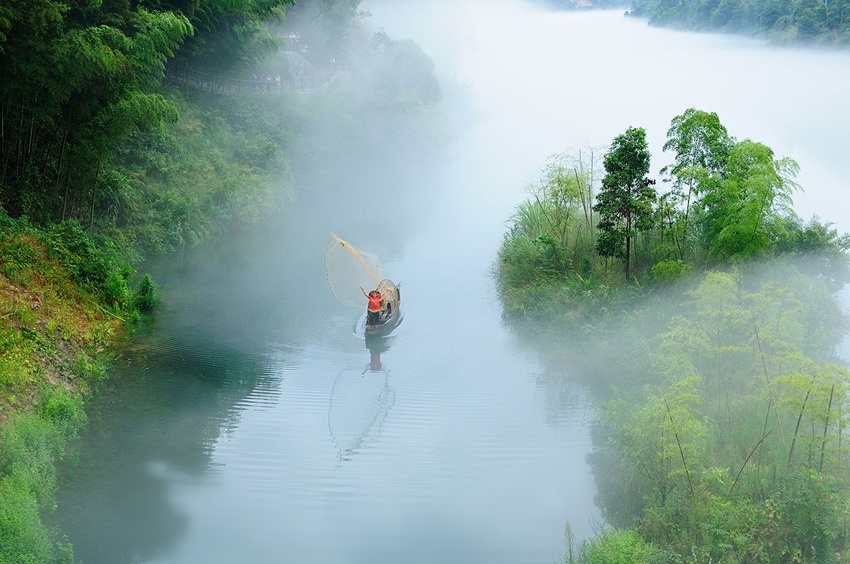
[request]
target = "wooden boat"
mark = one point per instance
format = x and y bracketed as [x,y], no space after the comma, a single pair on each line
[390,315]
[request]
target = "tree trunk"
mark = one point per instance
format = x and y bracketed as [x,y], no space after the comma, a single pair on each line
[628,246]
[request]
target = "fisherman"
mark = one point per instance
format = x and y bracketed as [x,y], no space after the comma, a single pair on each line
[375,306]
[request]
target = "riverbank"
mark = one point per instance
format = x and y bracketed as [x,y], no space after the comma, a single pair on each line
[64,302]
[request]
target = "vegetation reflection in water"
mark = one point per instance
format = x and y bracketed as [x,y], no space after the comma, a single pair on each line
[175,399]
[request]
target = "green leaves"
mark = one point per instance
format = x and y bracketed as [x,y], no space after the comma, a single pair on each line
[800,20]
[625,202]
[74,92]
[231,33]
[743,212]
[699,140]
[729,199]
[156,37]
[737,436]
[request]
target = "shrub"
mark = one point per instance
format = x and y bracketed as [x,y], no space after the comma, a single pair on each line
[23,537]
[616,547]
[62,410]
[88,264]
[116,289]
[147,295]
[92,371]
[671,270]
[29,446]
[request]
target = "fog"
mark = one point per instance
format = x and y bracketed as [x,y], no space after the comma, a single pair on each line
[548,83]
[250,423]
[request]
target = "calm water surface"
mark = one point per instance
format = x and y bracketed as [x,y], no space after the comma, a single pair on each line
[252,423]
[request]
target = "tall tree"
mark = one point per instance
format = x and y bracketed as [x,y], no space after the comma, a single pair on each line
[744,216]
[702,147]
[71,92]
[625,202]
[229,34]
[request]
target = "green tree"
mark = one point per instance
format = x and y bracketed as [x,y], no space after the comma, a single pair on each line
[702,145]
[743,214]
[71,92]
[824,21]
[564,194]
[625,202]
[229,35]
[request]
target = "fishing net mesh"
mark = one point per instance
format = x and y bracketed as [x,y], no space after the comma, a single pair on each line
[348,269]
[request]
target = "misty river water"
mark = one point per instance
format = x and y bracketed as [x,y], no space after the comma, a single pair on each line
[251,423]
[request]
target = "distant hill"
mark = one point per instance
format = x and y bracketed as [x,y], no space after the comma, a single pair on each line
[787,22]
[581,4]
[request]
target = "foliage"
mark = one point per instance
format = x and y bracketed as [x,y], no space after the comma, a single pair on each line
[71,96]
[668,271]
[229,35]
[65,290]
[147,294]
[625,201]
[820,247]
[782,20]
[207,174]
[735,435]
[722,439]
[29,447]
[101,164]
[612,546]
[62,410]
[87,263]
[701,145]
[87,123]
[745,213]
[729,202]
[550,239]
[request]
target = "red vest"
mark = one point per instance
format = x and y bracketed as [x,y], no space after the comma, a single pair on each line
[374,303]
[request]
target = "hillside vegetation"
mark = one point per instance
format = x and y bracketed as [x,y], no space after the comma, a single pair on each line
[781,21]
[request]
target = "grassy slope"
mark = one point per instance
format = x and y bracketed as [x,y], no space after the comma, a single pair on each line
[53,338]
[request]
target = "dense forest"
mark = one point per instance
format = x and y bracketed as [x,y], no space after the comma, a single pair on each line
[83,110]
[782,21]
[702,312]
[816,22]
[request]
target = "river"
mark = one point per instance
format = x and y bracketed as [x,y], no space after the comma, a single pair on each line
[250,423]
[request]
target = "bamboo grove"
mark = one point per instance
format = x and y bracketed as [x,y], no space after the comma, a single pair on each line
[71,92]
[82,78]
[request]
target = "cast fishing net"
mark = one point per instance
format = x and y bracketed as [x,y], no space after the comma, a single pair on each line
[348,269]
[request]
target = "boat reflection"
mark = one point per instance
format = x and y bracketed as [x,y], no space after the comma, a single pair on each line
[360,402]
[376,345]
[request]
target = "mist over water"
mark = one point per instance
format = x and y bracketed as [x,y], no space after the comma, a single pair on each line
[551,82]
[250,424]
